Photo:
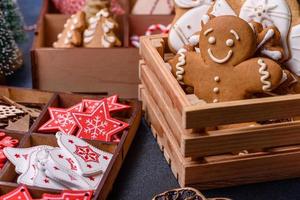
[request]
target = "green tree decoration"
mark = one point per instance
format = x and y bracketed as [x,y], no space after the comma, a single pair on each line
[14,19]
[10,54]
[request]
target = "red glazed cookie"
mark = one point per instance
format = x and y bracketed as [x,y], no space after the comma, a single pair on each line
[226,70]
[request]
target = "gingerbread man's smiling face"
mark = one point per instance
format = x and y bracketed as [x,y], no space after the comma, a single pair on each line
[227,40]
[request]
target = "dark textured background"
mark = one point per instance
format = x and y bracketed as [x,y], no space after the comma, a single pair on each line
[145,171]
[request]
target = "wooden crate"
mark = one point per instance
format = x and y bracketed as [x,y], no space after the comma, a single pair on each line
[132,116]
[94,70]
[202,156]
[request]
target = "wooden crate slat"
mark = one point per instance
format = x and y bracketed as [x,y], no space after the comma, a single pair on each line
[153,59]
[159,95]
[279,107]
[247,139]
[162,133]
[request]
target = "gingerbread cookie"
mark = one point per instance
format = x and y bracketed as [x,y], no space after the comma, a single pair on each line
[101,31]
[269,13]
[187,22]
[226,70]
[269,42]
[92,7]
[72,33]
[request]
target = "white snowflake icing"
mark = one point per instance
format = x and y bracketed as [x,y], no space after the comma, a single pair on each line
[65,119]
[95,127]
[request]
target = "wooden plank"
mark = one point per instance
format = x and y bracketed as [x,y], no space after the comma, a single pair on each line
[164,76]
[244,171]
[208,115]
[162,133]
[163,101]
[226,142]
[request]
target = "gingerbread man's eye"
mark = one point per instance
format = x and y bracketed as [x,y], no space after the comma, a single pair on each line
[229,42]
[212,40]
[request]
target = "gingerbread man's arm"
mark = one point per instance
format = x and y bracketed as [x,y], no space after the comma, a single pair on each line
[183,66]
[259,75]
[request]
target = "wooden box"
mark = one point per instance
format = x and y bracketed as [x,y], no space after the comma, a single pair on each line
[132,116]
[202,156]
[88,70]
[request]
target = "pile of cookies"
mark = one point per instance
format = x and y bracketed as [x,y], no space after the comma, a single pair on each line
[18,117]
[90,119]
[74,165]
[232,50]
[93,27]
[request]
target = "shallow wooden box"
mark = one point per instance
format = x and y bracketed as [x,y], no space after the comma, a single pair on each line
[88,70]
[203,157]
[33,138]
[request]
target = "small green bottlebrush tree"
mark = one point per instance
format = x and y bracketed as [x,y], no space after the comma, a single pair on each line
[14,19]
[10,54]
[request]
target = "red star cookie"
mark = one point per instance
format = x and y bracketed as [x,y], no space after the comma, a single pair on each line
[112,102]
[17,194]
[71,195]
[62,120]
[98,125]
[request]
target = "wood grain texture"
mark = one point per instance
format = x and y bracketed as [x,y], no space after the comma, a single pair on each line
[250,110]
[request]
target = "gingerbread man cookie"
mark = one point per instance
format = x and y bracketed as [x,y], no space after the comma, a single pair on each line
[101,31]
[226,70]
[72,33]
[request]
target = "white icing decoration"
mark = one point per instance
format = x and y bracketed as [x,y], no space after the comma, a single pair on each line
[270,33]
[220,61]
[208,31]
[194,40]
[69,34]
[179,33]
[106,27]
[179,66]
[212,40]
[191,3]
[275,55]
[216,90]
[217,79]
[236,35]
[263,71]
[205,19]
[269,13]
[216,101]
[229,42]
[221,8]
[66,41]
[59,36]
[294,42]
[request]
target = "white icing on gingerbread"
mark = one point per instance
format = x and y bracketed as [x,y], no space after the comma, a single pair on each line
[265,75]
[208,31]
[186,26]
[107,26]
[229,42]
[212,40]
[180,65]
[270,33]
[269,13]
[221,8]
[217,60]
[275,55]
[191,3]
[194,40]
[236,35]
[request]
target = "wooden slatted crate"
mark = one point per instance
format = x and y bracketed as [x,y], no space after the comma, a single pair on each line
[203,156]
